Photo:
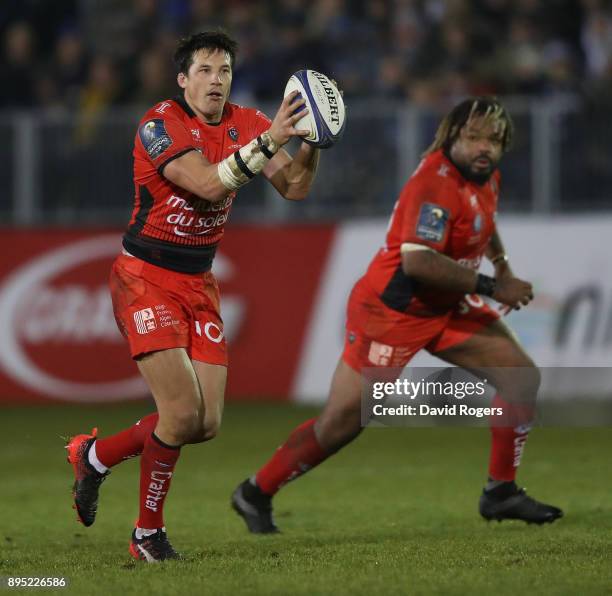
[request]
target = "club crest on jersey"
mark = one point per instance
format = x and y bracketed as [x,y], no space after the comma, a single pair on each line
[432,222]
[154,137]
[233,133]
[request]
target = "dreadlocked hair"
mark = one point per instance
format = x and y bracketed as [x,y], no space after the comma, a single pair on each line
[488,108]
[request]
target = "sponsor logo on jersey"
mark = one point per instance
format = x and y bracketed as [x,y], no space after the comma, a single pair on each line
[473,263]
[477,223]
[154,137]
[195,133]
[201,217]
[145,321]
[432,222]
[233,133]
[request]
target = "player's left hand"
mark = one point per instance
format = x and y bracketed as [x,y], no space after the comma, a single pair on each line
[503,270]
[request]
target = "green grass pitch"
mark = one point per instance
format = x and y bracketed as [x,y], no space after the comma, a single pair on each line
[393,513]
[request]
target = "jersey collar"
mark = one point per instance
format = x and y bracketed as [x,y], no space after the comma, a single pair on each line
[180,100]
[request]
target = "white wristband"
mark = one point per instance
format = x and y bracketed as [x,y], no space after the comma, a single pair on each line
[243,165]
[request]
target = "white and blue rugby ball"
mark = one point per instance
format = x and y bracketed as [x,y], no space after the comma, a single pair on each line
[326,116]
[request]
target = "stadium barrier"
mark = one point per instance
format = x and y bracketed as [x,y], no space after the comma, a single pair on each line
[283,297]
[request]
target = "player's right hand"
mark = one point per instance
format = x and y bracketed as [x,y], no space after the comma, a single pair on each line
[513,292]
[282,128]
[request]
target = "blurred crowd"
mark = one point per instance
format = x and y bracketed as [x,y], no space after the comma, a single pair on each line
[89,54]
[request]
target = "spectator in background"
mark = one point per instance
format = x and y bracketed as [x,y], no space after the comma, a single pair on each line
[70,65]
[154,79]
[597,42]
[17,67]
[444,47]
[102,90]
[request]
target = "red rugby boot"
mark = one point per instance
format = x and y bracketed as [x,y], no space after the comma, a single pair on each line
[87,479]
[152,548]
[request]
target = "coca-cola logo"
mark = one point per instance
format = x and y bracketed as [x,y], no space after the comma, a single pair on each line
[59,335]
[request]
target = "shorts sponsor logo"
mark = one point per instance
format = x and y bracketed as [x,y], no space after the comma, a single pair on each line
[145,321]
[211,331]
[380,354]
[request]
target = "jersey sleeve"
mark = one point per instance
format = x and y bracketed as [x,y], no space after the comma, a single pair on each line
[430,205]
[164,138]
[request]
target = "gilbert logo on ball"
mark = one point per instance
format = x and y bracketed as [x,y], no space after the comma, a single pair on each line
[326,116]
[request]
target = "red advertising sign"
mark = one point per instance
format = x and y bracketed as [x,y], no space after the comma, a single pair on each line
[59,340]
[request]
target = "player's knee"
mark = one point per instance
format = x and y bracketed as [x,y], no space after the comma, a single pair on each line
[207,432]
[184,425]
[210,431]
[531,380]
[521,382]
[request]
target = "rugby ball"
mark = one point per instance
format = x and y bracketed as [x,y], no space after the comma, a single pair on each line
[326,116]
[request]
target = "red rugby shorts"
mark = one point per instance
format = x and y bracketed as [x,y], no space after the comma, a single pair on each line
[157,309]
[377,336]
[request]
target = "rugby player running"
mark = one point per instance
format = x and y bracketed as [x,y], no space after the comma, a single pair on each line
[422,290]
[191,154]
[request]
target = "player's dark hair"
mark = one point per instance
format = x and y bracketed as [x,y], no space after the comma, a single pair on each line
[461,114]
[206,40]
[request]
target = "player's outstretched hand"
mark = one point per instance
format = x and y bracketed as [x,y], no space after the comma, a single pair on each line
[283,125]
[513,292]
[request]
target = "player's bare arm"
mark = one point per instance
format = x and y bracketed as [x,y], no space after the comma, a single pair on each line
[196,174]
[293,176]
[213,182]
[496,253]
[434,269]
[437,270]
